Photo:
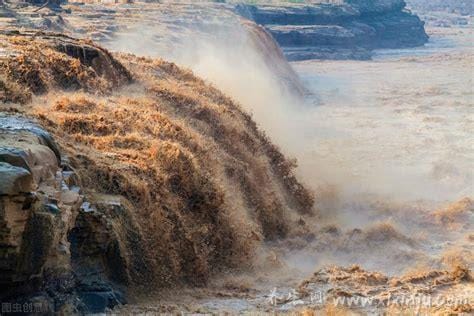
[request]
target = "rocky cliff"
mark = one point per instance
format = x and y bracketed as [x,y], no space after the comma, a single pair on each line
[348,30]
[118,172]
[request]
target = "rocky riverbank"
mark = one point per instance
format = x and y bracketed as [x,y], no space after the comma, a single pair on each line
[350,29]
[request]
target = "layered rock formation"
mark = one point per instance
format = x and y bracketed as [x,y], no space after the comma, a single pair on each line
[349,30]
[158,179]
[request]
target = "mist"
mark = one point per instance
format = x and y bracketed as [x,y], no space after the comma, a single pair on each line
[332,140]
[229,59]
[369,145]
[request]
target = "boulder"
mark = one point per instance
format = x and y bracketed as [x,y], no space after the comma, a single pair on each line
[10,124]
[15,157]
[15,180]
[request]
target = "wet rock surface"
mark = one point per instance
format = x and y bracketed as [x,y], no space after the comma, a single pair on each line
[348,30]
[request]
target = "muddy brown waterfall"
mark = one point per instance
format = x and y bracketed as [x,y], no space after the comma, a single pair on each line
[166,157]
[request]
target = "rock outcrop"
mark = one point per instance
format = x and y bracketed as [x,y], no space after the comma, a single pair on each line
[46,250]
[348,30]
[59,250]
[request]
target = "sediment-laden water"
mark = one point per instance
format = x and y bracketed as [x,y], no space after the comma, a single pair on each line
[400,125]
[387,146]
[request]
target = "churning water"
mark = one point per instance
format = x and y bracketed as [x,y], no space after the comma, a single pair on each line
[400,125]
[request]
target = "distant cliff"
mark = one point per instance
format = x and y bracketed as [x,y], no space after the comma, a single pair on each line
[348,30]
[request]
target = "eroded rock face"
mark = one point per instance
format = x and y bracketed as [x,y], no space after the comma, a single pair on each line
[54,251]
[29,169]
[15,180]
[349,30]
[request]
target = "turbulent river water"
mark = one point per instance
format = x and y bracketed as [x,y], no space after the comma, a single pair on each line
[394,133]
[400,125]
